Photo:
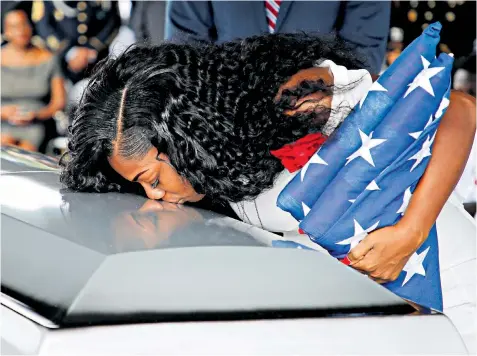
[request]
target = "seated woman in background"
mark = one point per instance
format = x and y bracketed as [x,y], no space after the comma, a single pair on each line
[32,85]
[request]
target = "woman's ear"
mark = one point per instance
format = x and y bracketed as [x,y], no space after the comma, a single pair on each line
[164,157]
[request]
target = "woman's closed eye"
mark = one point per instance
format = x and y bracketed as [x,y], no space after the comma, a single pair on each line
[155,183]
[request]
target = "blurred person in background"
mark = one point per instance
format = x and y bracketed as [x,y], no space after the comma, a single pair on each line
[457,17]
[464,80]
[32,85]
[80,32]
[364,25]
[148,21]
[408,19]
[464,77]
[395,46]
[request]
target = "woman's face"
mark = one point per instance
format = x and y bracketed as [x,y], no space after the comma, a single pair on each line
[156,175]
[17,28]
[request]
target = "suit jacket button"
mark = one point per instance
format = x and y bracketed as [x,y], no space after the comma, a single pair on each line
[82,40]
[82,17]
[82,28]
[81,6]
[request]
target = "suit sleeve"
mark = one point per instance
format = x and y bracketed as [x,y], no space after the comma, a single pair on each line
[109,31]
[136,21]
[189,21]
[366,27]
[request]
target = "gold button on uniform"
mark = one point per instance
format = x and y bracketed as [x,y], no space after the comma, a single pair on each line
[82,40]
[38,42]
[444,48]
[58,15]
[82,28]
[82,17]
[450,16]
[53,42]
[37,10]
[81,6]
[412,15]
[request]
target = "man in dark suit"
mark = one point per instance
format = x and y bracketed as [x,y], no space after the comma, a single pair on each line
[363,24]
[80,32]
[147,21]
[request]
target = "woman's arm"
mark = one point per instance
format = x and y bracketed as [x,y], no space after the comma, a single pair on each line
[57,101]
[383,253]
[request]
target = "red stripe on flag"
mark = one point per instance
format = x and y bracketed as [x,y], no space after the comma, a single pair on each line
[346,261]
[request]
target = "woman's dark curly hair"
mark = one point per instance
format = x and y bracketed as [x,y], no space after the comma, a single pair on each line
[210,108]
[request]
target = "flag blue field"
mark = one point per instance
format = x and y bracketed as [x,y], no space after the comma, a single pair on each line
[363,177]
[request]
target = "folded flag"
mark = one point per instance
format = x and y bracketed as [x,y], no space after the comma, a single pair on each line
[364,175]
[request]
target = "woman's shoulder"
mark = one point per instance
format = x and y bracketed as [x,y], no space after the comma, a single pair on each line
[462,106]
[42,55]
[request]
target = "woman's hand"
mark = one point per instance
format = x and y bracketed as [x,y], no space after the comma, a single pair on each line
[8,111]
[383,253]
[22,119]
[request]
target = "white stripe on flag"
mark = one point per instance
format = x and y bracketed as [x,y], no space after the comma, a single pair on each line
[271,16]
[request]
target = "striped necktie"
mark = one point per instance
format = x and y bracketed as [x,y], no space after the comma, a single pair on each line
[272,7]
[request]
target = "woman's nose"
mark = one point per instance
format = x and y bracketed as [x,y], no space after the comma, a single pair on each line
[155,194]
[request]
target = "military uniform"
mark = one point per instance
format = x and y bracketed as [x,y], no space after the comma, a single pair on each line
[63,25]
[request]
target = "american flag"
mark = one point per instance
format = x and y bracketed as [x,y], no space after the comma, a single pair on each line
[363,177]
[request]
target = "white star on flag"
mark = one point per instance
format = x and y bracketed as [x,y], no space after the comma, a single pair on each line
[415,135]
[414,265]
[442,106]
[359,234]
[306,209]
[423,78]
[315,159]
[375,87]
[352,201]
[373,186]
[405,201]
[424,152]
[367,142]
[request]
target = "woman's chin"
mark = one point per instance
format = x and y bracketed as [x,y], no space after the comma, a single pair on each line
[22,43]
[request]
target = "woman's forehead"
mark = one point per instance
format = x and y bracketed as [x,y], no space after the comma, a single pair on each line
[15,16]
[128,165]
